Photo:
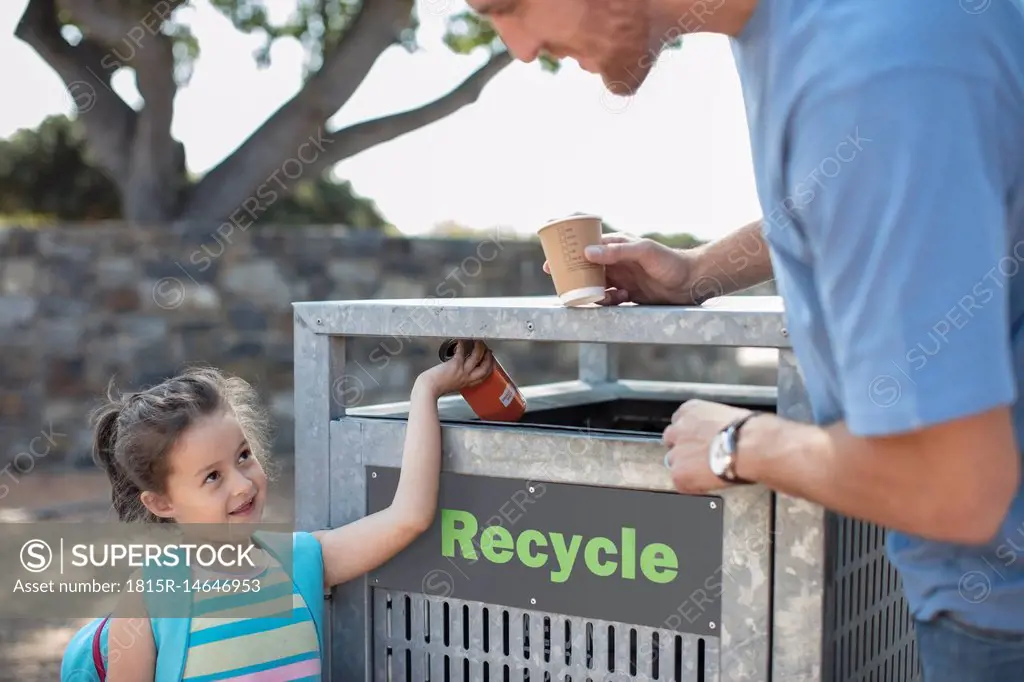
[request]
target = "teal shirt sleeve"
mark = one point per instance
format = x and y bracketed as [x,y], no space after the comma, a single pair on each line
[909,243]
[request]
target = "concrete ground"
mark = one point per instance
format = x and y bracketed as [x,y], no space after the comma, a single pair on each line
[31,650]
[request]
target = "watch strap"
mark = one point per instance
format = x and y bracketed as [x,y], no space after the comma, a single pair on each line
[732,434]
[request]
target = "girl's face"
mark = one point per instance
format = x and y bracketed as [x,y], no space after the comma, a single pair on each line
[214,476]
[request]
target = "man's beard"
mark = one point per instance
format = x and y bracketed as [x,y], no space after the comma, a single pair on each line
[630,55]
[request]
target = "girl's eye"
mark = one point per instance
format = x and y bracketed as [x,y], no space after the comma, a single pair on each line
[245,454]
[213,476]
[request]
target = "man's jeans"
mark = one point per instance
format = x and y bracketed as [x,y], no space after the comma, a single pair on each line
[951,651]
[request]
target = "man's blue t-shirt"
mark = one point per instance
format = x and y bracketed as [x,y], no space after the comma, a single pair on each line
[888,147]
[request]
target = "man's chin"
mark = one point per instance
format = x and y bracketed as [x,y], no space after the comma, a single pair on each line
[620,88]
[625,82]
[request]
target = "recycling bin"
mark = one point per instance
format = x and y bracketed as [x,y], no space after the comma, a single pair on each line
[560,550]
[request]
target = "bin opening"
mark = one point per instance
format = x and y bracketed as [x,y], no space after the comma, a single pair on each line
[619,414]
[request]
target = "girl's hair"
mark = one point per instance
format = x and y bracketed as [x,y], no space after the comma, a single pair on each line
[134,433]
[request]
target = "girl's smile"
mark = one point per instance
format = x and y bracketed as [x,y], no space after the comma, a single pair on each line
[247,509]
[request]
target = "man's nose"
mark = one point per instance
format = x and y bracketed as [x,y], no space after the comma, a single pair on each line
[519,43]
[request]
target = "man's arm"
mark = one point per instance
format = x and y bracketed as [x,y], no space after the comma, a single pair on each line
[951,482]
[913,271]
[733,263]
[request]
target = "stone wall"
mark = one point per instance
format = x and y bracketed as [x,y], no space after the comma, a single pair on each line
[81,306]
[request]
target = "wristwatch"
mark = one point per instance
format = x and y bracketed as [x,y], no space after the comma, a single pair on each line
[722,451]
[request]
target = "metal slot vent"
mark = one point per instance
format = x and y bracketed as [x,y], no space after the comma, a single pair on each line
[871,637]
[420,638]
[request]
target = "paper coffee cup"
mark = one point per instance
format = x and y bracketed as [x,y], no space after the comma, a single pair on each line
[577,280]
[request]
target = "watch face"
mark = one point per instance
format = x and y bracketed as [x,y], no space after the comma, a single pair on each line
[719,459]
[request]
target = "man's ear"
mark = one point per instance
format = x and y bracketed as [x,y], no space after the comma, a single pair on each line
[158,504]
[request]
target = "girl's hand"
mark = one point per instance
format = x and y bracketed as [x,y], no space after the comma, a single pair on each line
[465,368]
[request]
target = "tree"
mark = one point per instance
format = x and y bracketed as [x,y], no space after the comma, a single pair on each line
[45,173]
[87,41]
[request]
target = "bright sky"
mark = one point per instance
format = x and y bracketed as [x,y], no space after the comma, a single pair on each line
[674,158]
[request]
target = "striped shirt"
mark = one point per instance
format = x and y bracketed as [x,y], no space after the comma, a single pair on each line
[256,636]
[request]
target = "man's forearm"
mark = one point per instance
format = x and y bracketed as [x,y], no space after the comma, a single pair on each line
[736,261]
[952,482]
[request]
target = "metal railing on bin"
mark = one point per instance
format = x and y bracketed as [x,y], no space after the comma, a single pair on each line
[560,550]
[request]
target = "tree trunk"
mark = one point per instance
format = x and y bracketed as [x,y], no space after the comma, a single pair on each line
[135,148]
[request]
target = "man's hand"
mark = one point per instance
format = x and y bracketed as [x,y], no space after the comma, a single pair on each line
[641,270]
[694,425]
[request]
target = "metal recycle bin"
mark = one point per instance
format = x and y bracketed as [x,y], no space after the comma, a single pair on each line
[560,550]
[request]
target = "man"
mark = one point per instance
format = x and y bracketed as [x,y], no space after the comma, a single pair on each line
[888,146]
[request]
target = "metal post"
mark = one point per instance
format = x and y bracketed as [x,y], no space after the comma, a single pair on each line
[598,362]
[800,559]
[315,406]
[319,367]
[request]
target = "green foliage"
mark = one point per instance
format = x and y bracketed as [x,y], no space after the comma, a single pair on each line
[319,25]
[467,31]
[323,201]
[45,174]
[456,230]
[450,229]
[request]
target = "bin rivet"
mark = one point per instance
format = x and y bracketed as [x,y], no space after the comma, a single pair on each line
[712,503]
[374,475]
[785,332]
[319,321]
[711,625]
[532,600]
[529,326]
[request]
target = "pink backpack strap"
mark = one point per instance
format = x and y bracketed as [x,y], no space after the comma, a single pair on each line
[97,652]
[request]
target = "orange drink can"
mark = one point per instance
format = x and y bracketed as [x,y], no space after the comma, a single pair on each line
[496,398]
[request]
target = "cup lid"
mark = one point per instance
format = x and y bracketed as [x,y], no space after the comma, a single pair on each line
[574,216]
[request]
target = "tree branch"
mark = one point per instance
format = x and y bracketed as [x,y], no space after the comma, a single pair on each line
[156,159]
[108,121]
[359,137]
[376,27]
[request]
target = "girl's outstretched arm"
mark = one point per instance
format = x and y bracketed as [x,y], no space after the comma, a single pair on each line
[361,546]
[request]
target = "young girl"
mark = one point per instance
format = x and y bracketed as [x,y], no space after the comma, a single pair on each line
[191,450]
